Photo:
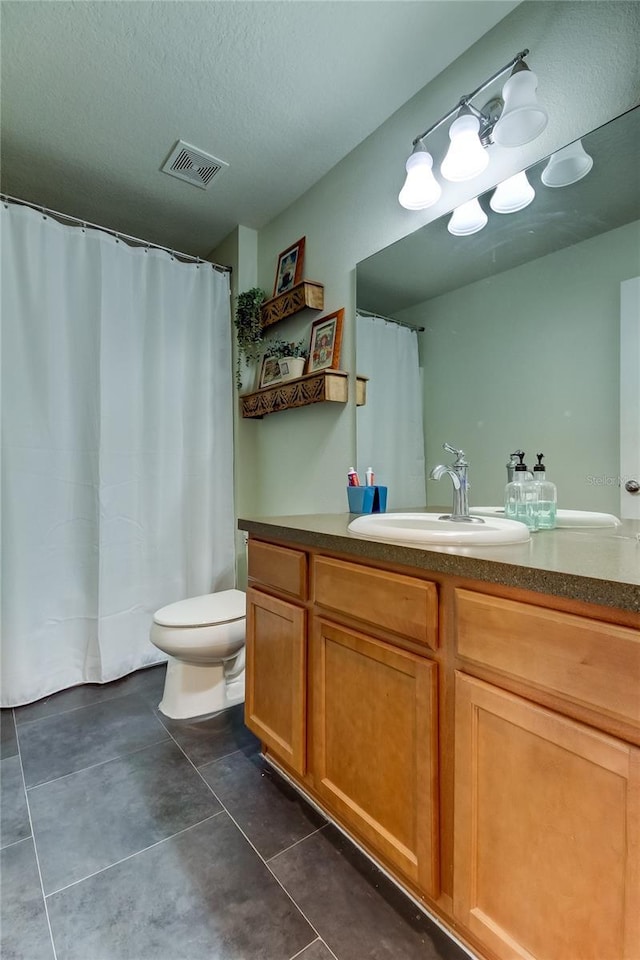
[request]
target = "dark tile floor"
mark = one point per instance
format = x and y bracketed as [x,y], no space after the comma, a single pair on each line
[127,836]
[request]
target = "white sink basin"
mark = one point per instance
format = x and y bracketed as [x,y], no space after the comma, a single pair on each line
[418,529]
[564,518]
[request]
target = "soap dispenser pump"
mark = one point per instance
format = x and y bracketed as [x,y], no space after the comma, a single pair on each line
[547,496]
[512,463]
[521,496]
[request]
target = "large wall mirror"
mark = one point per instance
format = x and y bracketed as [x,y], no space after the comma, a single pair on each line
[518,343]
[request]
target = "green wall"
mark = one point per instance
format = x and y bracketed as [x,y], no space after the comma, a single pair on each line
[586,58]
[240,252]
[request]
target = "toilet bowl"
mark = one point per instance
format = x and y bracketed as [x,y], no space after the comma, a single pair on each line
[204,639]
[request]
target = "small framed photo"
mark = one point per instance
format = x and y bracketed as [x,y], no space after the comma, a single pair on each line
[290,263]
[269,372]
[326,338]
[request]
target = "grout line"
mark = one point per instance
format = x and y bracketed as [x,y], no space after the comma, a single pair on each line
[256,851]
[421,907]
[100,763]
[292,845]
[304,949]
[35,849]
[334,955]
[132,855]
[82,706]
[226,756]
[300,952]
[13,843]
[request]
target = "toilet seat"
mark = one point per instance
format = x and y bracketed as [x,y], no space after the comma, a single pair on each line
[203,611]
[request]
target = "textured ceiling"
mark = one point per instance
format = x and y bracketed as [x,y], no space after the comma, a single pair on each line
[95,94]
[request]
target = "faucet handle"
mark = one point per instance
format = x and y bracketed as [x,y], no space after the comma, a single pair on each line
[460,458]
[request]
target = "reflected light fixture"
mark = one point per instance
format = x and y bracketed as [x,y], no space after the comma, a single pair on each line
[567,166]
[466,219]
[511,122]
[512,195]
[421,189]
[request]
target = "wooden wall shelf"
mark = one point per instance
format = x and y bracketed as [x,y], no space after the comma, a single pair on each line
[312,388]
[307,293]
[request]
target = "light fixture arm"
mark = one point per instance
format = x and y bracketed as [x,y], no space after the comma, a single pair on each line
[465,101]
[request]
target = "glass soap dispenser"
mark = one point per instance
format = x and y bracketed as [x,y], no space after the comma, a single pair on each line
[521,496]
[547,496]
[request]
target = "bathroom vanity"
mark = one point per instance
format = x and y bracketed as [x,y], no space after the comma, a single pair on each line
[469,716]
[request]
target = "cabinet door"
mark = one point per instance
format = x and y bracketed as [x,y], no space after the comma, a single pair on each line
[275,699]
[375,747]
[546,831]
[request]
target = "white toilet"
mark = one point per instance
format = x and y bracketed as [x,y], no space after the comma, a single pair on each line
[204,637]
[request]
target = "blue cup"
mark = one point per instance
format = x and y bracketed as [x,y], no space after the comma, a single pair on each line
[367,499]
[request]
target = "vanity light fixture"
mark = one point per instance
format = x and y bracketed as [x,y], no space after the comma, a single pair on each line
[466,219]
[421,189]
[466,157]
[522,118]
[511,122]
[567,166]
[512,194]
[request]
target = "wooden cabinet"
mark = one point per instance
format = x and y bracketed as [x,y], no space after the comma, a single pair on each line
[547,820]
[482,743]
[375,746]
[276,676]
[388,601]
[578,660]
[278,568]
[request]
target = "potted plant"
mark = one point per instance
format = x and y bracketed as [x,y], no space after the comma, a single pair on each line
[291,357]
[248,323]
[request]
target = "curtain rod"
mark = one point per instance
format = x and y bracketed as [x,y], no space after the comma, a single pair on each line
[378,316]
[6,199]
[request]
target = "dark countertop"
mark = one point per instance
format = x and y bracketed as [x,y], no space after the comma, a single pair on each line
[599,566]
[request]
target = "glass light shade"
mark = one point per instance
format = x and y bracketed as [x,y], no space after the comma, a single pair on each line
[466,219]
[522,118]
[421,189]
[466,157]
[567,166]
[512,195]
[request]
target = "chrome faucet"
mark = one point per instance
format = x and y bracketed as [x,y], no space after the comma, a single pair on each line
[459,473]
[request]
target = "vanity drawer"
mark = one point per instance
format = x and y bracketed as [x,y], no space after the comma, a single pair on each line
[279,568]
[587,661]
[390,601]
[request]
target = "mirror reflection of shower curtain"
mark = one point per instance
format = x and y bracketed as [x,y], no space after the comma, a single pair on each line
[390,434]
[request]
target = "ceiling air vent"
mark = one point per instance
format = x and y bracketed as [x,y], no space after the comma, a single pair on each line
[195,166]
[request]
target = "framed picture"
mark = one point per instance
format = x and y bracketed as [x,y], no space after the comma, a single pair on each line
[290,263]
[326,338]
[269,372]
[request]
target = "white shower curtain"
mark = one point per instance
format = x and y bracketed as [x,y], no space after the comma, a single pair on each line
[117,469]
[389,427]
